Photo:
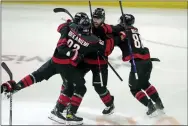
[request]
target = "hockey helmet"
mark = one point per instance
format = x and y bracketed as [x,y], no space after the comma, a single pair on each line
[129,19]
[98,16]
[78,16]
[84,25]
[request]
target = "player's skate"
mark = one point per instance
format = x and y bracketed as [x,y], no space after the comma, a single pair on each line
[57,116]
[72,119]
[109,110]
[151,109]
[159,106]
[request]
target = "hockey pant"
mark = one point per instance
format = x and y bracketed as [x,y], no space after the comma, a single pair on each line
[69,72]
[144,68]
[102,91]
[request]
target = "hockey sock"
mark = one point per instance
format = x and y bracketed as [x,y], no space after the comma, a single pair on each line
[27,81]
[152,93]
[64,100]
[60,107]
[141,97]
[107,99]
[75,103]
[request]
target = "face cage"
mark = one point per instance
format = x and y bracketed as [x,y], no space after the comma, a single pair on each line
[85,30]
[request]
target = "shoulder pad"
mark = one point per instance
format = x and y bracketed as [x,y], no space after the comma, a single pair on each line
[107,28]
[73,24]
[61,26]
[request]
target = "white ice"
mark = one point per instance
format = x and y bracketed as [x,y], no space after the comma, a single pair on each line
[26,29]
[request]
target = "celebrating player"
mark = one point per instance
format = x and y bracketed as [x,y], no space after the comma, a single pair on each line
[75,42]
[96,63]
[143,66]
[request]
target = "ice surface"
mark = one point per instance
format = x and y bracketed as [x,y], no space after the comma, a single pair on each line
[26,29]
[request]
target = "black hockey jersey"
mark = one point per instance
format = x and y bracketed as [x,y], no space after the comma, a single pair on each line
[106,33]
[138,50]
[70,39]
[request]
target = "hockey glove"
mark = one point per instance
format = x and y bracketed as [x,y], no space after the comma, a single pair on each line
[10,86]
[122,35]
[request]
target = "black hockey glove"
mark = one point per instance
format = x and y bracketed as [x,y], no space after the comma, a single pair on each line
[11,86]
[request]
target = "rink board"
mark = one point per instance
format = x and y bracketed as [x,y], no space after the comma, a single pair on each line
[135,4]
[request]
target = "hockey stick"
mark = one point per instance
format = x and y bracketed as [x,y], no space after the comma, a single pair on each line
[3,64]
[101,54]
[112,67]
[56,10]
[100,74]
[90,10]
[129,44]
[155,59]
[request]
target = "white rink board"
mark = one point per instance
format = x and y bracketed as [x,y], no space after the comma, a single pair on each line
[27,29]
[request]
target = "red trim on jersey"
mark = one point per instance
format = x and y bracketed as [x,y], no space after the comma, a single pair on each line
[24,82]
[62,42]
[60,27]
[63,61]
[112,44]
[91,61]
[27,81]
[139,56]
[107,28]
[109,46]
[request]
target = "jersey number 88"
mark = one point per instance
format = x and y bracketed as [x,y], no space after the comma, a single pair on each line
[137,42]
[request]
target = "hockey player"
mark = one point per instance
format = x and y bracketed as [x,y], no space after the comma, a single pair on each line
[75,42]
[96,63]
[93,60]
[139,88]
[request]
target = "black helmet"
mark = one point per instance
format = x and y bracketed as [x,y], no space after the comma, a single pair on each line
[129,19]
[84,25]
[78,16]
[99,13]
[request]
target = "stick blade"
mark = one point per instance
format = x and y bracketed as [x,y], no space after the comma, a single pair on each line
[4,65]
[56,10]
[155,59]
